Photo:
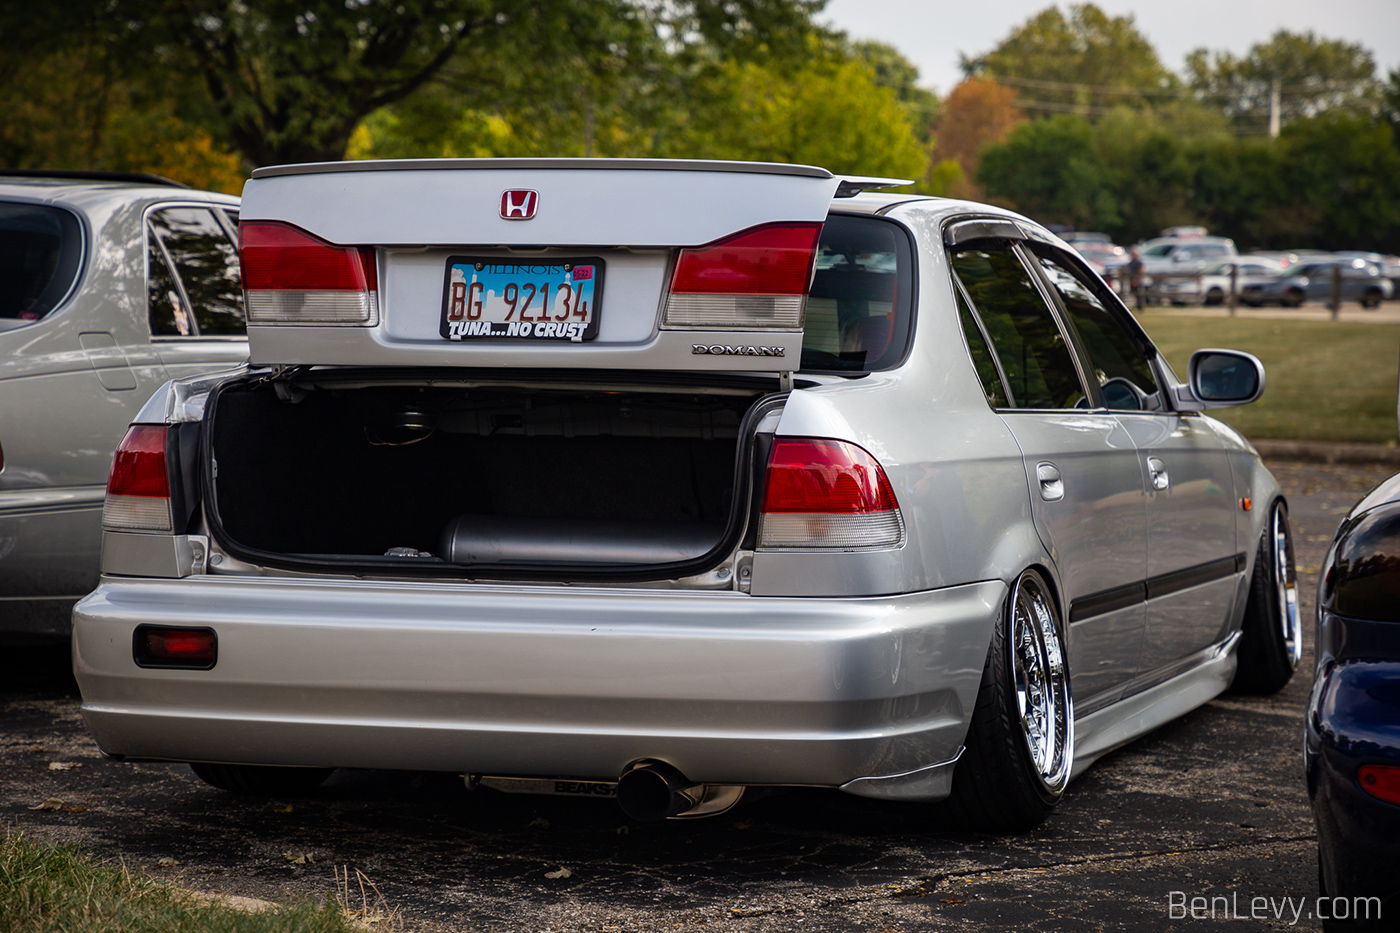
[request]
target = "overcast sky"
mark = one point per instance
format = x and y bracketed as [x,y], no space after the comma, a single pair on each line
[931,33]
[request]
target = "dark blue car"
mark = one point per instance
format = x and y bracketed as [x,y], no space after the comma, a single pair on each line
[1352,747]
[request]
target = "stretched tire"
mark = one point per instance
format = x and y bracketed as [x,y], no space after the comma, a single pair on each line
[261,780]
[1020,744]
[1271,643]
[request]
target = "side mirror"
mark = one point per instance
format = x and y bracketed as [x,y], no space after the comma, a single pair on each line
[1222,379]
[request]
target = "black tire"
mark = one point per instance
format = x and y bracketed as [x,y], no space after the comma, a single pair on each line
[1000,784]
[1271,642]
[261,780]
[1216,296]
[1292,298]
[1372,299]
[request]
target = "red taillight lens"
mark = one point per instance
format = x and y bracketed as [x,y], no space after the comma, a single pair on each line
[754,279]
[829,494]
[1380,781]
[162,646]
[138,490]
[293,277]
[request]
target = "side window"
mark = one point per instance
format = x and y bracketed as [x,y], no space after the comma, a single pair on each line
[1123,373]
[981,355]
[205,265]
[1039,368]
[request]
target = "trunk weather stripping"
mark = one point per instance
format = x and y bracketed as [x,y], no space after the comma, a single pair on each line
[737,527]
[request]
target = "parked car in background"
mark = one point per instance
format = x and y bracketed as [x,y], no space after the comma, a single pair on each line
[1312,280]
[1352,728]
[110,284]
[1077,238]
[1183,255]
[1389,265]
[1212,286]
[529,485]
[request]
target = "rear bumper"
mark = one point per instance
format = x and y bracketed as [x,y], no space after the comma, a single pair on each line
[549,681]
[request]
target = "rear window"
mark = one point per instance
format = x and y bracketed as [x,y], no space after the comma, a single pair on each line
[41,250]
[858,309]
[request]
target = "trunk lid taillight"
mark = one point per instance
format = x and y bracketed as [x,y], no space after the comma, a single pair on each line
[138,489]
[754,280]
[825,493]
[293,277]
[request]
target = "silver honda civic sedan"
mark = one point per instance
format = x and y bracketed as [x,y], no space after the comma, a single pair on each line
[666,479]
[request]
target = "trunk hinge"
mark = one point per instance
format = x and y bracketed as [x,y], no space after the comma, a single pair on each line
[785,381]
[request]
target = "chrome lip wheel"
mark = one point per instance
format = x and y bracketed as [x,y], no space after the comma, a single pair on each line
[1041,683]
[1286,584]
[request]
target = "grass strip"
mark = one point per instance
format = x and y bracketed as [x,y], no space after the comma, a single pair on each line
[1327,380]
[47,888]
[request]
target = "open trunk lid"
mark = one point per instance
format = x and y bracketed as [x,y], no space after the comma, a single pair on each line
[533,263]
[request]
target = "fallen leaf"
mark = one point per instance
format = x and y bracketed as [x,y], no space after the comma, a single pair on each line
[53,803]
[166,861]
[539,821]
[561,873]
[299,858]
[63,765]
[74,809]
[37,750]
[743,824]
[950,900]
[282,808]
[623,830]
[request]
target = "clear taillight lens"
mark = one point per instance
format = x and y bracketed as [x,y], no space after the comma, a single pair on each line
[757,279]
[823,493]
[293,277]
[138,491]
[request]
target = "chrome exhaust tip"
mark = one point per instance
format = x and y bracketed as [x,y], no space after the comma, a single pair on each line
[654,790]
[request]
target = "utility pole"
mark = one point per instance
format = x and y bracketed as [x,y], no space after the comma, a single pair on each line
[1273,108]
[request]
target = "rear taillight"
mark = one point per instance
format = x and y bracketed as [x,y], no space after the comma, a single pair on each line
[823,493]
[138,490]
[293,277]
[755,279]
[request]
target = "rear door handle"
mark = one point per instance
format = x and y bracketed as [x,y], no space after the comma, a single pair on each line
[1157,472]
[1051,486]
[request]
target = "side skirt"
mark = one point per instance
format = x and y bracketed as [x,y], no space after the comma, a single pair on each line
[1207,675]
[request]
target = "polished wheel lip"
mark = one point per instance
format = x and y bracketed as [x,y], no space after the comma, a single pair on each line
[1040,679]
[1286,589]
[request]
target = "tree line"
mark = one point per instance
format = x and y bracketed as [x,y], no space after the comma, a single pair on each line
[1071,118]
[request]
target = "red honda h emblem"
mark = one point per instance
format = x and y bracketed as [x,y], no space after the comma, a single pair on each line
[519,203]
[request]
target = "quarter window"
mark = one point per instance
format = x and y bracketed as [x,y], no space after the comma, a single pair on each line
[1039,368]
[195,288]
[41,250]
[858,308]
[1121,369]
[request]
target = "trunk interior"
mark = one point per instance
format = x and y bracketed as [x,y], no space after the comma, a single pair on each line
[476,474]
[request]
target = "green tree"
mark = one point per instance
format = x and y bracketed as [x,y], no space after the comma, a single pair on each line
[893,70]
[1049,170]
[1080,63]
[1311,75]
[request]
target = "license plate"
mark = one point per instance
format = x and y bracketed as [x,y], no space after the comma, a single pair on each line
[487,298]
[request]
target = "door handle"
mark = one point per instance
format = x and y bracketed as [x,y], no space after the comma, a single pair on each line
[1051,486]
[1157,472]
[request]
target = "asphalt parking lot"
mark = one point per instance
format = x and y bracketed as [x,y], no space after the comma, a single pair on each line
[1211,806]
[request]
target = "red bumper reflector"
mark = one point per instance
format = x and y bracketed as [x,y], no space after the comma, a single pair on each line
[163,646]
[1380,781]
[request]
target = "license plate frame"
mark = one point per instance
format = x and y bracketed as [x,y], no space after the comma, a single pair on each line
[482,282]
